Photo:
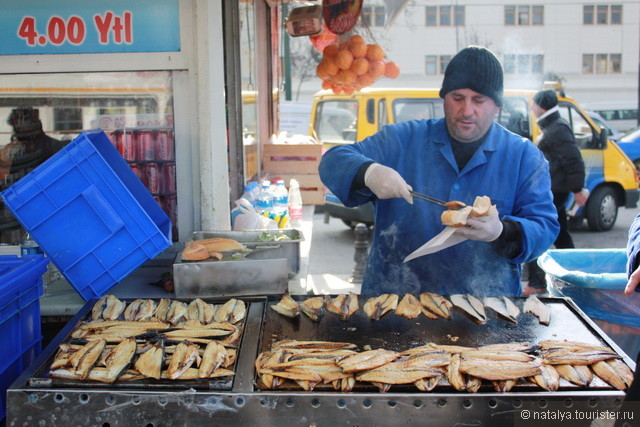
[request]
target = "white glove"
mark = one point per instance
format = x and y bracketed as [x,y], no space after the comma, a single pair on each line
[485,228]
[386,183]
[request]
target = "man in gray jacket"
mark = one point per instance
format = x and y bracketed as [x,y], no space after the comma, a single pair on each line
[566,168]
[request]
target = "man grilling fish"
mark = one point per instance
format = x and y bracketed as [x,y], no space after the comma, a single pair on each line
[459,157]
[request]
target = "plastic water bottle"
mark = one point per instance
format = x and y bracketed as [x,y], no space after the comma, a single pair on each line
[265,199]
[28,246]
[249,193]
[280,198]
[295,203]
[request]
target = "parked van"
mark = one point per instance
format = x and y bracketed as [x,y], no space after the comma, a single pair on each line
[622,115]
[611,176]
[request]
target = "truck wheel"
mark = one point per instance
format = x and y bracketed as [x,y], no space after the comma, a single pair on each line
[602,209]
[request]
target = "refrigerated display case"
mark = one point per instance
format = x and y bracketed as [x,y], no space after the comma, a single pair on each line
[135,109]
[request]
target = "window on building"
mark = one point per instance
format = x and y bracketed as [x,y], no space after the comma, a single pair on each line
[458,16]
[365,15]
[601,63]
[431,64]
[523,15]
[509,15]
[537,15]
[537,64]
[587,63]
[431,19]
[444,62]
[379,16]
[616,14]
[510,64]
[601,14]
[524,64]
[615,63]
[587,14]
[67,119]
[445,16]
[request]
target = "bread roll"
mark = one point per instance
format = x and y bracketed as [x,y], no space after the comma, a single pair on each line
[218,244]
[481,206]
[455,218]
[195,252]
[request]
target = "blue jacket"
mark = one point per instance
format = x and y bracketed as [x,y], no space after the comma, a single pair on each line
[507,168]
[633,246]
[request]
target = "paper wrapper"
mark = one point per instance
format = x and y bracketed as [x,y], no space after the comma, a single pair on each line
[444,240]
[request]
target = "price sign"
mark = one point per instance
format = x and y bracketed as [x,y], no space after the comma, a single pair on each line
[341,15]
[74,26]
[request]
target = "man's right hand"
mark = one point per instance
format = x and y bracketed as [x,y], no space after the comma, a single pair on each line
[634,279]
[386,183]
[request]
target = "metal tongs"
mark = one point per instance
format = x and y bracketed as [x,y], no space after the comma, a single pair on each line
[454,204]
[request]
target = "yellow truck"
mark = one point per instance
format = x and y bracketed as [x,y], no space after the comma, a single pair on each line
[612,178]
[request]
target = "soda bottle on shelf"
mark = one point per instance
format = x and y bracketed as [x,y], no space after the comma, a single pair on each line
[265,199]
[280,198]
[295,203]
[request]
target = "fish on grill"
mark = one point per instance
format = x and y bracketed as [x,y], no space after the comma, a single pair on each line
[579,375]
[162,309]
[399,372]
[184,356]
[473,384]
[609,375]
[471,305]
[313,307]
[231,311]
[493,370]
[84,359]
[411,308]
[455,377]
[287,306]
[194,374]
[500,307]
[503,386]
[569,356]
[500,356]
[555,344]
[140,309]
[119,359]
[177,311]
[548,378]
[366,360]
[96,374]
[343,305]
[289,344]
[437,304]
[108,307]
[200,311]
[150,362]
[376,307]
[215,356]
[510,346]
[536,307]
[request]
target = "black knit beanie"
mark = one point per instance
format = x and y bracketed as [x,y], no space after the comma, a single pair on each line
[546,99]
[475,68]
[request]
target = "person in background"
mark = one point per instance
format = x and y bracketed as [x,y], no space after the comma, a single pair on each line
[567,174]
[458,157]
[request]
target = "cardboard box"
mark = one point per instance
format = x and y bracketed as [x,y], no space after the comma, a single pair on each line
[299,161]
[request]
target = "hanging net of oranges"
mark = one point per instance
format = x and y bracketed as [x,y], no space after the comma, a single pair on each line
[350,64]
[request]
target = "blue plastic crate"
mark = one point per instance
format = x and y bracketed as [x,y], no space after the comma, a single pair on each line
[20,333]
[90,214]
[595,279]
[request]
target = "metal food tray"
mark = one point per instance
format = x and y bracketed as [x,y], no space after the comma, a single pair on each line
[31,403]
[397,333]
[265,269]
[41,376]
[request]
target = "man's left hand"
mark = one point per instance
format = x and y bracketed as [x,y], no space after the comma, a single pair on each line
[581,197]
[485,228]
[634,279]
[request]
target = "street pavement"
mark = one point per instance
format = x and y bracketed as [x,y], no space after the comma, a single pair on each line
[331,258]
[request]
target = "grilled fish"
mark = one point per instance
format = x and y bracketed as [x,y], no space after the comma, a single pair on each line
[311,345]
[411,308]
[548,378]
[287,306]
[510,346]
[554,344]
[503,386]
[313,307]
[215,355]
[403,372]
[536,307]
[177,311]
[84,359]
[149,363]
[437,304]
[471,305]
[96,374]
[366,360]
[119,359]
[428,384]
[455,377]
[200,311]
[580,375]
[499,371]
[140,309]
[576,357]
[622,370]
[473,384]
[184,355]
[501,356]
[162,309]
[231,311]
[500,307]
[108,308]
[343,305]
[608,374]
[377,307]
[193,374]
